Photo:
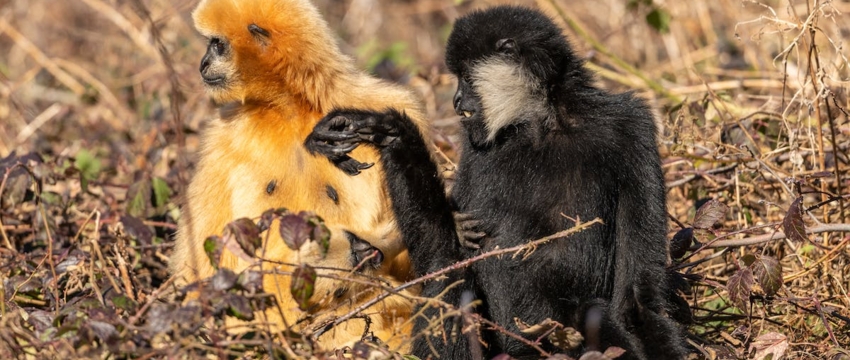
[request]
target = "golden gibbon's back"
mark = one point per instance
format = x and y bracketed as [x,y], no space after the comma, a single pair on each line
[275,68]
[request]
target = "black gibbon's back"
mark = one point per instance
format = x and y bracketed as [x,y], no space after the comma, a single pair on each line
[543,147]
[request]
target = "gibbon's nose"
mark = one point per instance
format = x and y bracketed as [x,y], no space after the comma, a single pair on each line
[205,63]
[456,101]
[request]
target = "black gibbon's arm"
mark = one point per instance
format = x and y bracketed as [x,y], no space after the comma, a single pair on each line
[419,201]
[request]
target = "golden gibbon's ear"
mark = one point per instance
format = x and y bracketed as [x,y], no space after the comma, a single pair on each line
[261,35]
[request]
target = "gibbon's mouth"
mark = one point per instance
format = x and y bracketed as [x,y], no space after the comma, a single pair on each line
[213,81]
[466,113]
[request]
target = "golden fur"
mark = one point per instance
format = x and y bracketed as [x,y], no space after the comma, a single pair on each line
[277,90]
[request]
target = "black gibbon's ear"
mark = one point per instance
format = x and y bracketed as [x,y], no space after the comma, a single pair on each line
[507,46]
[260,34]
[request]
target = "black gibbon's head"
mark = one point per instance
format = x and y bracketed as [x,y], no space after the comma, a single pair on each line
[260,49]
[506,59]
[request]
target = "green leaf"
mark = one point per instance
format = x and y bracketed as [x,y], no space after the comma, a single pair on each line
[124,303]
[659,19]
[161,193]
[212,247]
[89,167]
[138,199]
[302,285]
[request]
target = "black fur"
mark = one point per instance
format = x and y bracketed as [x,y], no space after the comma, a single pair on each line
[592,154]
[420,204]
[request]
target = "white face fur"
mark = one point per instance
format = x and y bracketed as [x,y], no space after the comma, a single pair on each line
[509,94]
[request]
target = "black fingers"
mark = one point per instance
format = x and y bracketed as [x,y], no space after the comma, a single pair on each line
[469,230]
[363,254]
[350,166]
[341,131]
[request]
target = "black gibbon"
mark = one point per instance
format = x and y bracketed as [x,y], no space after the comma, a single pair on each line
[275,67]
[543,147]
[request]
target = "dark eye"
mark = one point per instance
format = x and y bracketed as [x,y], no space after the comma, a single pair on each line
[218,46]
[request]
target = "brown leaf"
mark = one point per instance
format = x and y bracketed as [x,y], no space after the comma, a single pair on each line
[793,225]
[294,230]
[593,355]
[681,242]
[245,233]
[739,287]
[614,352]
[239,307]
[159,318]
[769,346]
[709,213]
[302,285]
[224,279]
[137,229]
[768,272]
[251,281]
[269,216]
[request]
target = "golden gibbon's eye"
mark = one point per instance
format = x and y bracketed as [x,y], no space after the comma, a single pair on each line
[218,46]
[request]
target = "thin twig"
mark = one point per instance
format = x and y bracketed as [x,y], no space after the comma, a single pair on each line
[516,250]
[778,236]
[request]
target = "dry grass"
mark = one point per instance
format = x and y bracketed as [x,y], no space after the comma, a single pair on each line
[752,98]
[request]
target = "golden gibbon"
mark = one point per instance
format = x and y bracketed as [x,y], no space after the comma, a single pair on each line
[275,68]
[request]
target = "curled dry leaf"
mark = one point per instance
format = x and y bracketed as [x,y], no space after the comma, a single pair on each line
[709,213]
[566,338]
[536,329]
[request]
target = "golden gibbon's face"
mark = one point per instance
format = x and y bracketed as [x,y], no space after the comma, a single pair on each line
[256,48]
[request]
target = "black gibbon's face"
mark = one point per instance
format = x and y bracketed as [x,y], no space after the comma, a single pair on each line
[504,60]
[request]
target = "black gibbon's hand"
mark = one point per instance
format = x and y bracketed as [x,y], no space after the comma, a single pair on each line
[341,131]
[469,233]
[363,254]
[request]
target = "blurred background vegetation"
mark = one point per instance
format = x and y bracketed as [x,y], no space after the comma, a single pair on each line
[101,105]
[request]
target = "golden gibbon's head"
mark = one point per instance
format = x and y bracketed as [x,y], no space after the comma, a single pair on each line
[259,50]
